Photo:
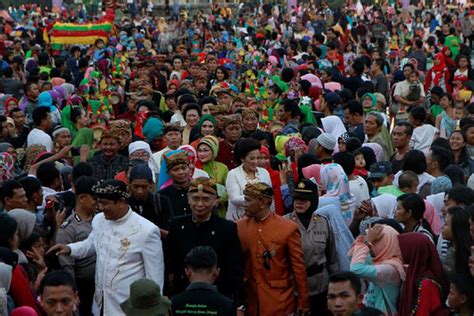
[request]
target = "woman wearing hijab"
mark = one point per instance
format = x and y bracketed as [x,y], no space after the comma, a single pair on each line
[74,118]
[377,149]
[318,242]
[424,287]
[25,223]
[344,238]
[20,290]
[377,259]
[206,126]
[333,125]
[438,75]
[5,282]
[264,162]
[84,136]
[141,151]
[335,183]
[32,153]
[384,205]
[7,167]
[377,132]
[207,150]
[193,158]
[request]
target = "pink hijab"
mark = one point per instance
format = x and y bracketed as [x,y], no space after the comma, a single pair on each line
[313,171]
[432,217]
[24,311]
[387,250]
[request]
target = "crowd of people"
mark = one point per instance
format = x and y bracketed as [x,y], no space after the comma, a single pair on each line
[255,160]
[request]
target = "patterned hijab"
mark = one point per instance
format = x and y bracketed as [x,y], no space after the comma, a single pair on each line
[7,165]
[334,180]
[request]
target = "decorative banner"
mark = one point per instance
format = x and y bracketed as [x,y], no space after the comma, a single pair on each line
[76,33]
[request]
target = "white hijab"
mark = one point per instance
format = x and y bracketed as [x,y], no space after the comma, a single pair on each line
[333,125]
[141,145]
[386,205]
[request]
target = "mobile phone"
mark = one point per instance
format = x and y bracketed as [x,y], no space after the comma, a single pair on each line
[59,205]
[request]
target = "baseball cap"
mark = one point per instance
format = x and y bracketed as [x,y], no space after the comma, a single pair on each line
[380,169]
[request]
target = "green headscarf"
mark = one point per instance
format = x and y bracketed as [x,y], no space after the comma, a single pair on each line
[66,120]
[204,118]
[373,98]
[84,136]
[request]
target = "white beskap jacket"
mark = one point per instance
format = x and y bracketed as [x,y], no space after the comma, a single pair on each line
[127,249]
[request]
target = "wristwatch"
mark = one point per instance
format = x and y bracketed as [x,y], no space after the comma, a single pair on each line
[241,308]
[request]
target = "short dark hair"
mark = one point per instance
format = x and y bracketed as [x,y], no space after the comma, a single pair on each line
[8,189]
[14,110]
[40,114]
[82,169]
[358,65]
[47,173]
[344,276]
[380,62]
[201,258]
[355,107]
[346,160]
[7,72]
[244,146]
[292,107]
[28,86]
[8,227]
[185,99]
[189,107]
[207,100]
[415,161]
[410,66]
[76,112]
[57,278]
[353,144]
[31,185]
[276,89]
[464,284]
[437,90]
[84,185]
[414,203]
[442,156]
[408,127]
[461,194]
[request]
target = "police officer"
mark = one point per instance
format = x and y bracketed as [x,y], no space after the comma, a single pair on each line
[319,248]
[77,227]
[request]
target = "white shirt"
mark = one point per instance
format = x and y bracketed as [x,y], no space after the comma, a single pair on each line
[235,184]
[177,117]
[37,136]
[422,137]
[403,89]
[127,249]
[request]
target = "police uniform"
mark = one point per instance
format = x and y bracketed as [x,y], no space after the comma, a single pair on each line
[319,248]
[72,230]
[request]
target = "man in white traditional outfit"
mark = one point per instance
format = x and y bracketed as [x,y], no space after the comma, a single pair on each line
[128,248]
